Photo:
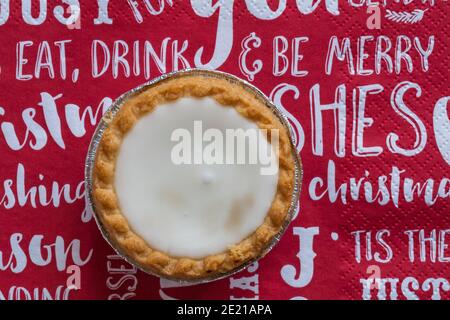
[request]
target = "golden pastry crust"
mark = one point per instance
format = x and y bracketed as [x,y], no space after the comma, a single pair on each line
[106,202]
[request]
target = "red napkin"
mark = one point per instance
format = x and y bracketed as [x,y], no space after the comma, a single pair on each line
[366,91]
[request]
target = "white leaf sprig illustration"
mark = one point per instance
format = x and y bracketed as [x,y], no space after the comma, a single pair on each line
[406,17]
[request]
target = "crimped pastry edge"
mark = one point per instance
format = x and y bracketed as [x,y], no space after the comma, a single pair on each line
[106,202]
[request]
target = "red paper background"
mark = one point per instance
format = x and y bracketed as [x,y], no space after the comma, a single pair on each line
[336,273]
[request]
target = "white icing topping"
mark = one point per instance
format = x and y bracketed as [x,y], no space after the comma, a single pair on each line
[189,210]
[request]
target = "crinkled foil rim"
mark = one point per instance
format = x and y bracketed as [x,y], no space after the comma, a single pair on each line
[115,107]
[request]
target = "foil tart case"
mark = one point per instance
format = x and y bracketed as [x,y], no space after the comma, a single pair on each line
[112,111]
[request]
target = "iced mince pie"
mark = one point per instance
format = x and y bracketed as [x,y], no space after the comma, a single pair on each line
[171,186]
